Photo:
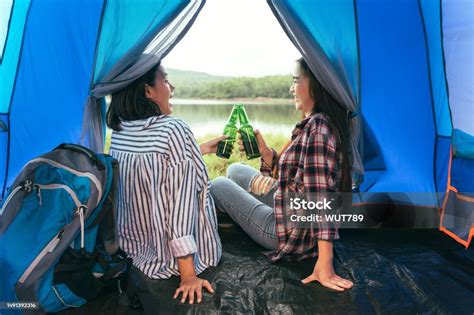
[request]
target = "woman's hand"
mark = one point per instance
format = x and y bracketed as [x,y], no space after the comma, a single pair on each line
[210,146]
[325,275]
[190,286]
[265,151]
[324,271]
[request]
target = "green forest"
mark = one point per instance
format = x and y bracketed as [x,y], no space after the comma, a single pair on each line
[190,84]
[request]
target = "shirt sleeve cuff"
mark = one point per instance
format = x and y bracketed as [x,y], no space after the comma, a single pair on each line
[183,246]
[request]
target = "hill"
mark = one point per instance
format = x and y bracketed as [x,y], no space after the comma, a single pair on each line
[192,84]
[182,77]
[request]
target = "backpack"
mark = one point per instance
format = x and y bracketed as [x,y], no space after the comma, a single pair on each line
[58,244]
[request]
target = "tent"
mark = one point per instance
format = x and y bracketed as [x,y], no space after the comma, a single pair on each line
[403,69]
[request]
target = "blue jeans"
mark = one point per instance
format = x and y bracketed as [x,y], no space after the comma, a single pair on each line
[253,213]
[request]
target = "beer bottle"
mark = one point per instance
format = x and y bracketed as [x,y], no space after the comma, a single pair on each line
[248,136]
[225,147]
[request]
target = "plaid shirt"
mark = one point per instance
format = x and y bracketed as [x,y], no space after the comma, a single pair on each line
[310,164]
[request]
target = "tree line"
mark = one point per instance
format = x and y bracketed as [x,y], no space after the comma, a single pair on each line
[241,87]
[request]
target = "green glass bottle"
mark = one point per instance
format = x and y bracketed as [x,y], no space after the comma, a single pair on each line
[248,136]
[225,147]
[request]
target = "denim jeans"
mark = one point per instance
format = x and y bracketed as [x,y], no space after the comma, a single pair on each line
[253,213]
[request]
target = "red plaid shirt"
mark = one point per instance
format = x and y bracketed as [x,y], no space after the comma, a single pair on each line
[310,164]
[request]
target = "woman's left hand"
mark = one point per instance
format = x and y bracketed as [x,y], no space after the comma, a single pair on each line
[210,146]
[324,274]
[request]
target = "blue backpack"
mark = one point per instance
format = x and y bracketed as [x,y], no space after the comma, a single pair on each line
[58,244]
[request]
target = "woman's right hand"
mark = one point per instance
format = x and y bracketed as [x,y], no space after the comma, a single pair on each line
[265,151]
[190,286]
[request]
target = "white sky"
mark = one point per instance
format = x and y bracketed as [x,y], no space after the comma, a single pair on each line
[234,38]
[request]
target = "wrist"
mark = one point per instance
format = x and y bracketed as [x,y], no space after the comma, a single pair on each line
[267,155]
[188,277]
[203,149]
[267,151]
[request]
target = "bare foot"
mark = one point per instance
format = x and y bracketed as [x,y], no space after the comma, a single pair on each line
[324,274]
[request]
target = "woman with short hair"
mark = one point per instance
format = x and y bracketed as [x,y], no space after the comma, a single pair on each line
[166,216]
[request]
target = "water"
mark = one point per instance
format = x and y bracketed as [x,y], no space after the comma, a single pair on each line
[205,119]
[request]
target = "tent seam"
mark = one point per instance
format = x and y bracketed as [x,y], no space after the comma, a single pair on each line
[444,61]
[428,66]
[7,162]
[8,32]
[104,6]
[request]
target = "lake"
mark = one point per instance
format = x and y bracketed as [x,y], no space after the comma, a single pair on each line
[209,117]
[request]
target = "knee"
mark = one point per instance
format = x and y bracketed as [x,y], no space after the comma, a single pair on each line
[219,184]
[236,171]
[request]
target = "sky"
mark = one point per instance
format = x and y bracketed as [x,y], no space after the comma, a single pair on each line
[234,38]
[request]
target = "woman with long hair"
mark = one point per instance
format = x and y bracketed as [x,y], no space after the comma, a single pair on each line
[166,216]
[315,160]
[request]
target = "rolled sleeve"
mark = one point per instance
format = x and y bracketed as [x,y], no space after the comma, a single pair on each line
[183,246]
[182,189]
[265,169]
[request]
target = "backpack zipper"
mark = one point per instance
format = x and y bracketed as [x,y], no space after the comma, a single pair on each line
[49,248]
[9,198]
[68,189]
[80,207]
[80,212]
[91,176]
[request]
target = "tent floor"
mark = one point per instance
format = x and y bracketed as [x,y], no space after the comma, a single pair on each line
[394,271]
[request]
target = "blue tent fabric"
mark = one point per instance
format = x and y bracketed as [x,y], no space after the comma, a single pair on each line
[458,37]
[12,42]
[443,146]
[326,36]
[463,144]
[410,76]
[405,141]
[431,14]
[161,25]
[53,73]
[457,19]
[129,26]
[332,24]
[5,15]
[45,81]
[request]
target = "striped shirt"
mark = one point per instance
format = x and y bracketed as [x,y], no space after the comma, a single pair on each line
[164,206]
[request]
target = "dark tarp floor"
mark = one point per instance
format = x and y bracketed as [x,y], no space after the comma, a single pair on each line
[394,271]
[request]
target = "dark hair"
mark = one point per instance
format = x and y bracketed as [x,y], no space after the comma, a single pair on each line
[338,120]
[130,103]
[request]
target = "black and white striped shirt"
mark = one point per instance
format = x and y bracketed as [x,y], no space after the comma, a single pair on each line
[165,209]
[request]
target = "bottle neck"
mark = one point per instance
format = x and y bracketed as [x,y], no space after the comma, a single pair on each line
[234,115]
[244,119]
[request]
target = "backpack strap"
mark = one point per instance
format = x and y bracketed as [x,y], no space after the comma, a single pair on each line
[107,228]
[119,263]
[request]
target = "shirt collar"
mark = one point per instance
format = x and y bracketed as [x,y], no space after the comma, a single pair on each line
[143,123]
[299,127]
